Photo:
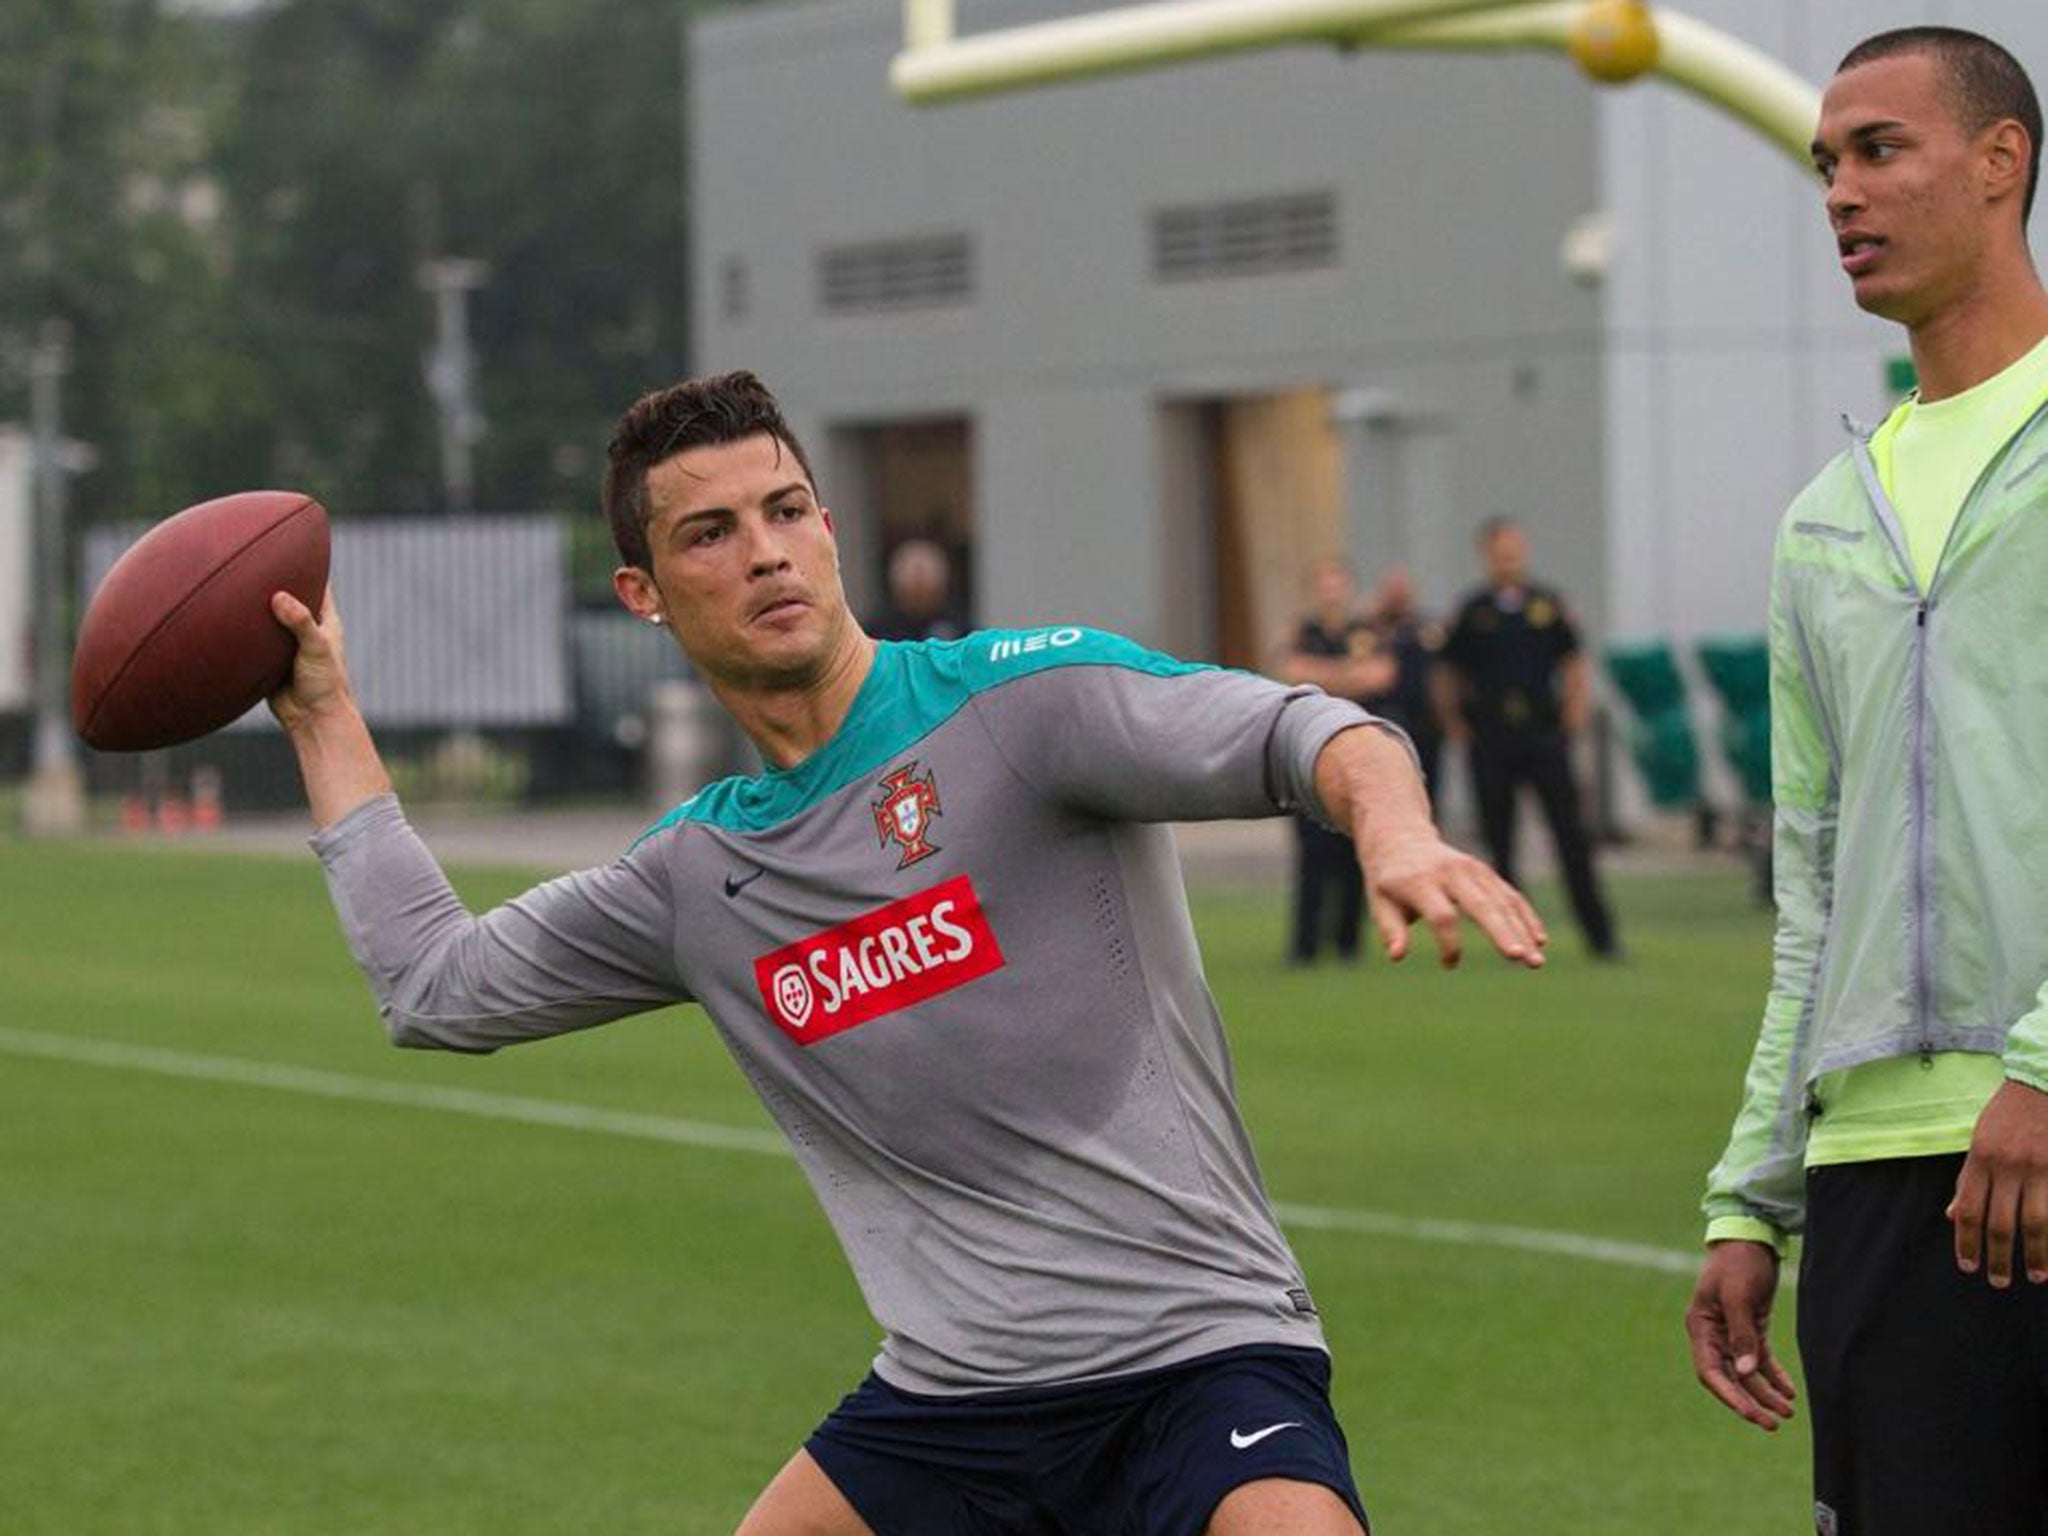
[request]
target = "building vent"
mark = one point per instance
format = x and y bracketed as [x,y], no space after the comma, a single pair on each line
[924,272]
[1292,232]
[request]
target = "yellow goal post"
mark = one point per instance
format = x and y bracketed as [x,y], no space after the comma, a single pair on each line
[1613,40]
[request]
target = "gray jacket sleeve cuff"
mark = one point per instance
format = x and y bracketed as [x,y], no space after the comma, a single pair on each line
[371,816]
[1307,725]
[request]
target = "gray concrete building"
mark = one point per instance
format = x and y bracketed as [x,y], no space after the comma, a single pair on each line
[1144,345]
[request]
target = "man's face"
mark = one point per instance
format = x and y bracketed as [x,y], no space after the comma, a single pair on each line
[1330,588]
[1507,556]
[917,579]
[1397,592]
[746,569]
[1902,186]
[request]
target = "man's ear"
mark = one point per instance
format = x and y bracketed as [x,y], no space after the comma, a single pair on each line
[2006,158]
[638,592]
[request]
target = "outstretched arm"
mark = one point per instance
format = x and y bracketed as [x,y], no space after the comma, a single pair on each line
[577,951]
[1366,781]
[1125,733]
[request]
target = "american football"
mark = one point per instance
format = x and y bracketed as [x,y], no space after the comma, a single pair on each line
[179,638]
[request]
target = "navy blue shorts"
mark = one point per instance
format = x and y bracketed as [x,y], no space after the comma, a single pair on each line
[1924,1386]
[1150,1454]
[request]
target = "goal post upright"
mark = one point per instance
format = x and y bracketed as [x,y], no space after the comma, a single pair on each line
[928,24]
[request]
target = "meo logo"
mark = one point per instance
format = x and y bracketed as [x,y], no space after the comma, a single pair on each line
[1039,640]
[903,953]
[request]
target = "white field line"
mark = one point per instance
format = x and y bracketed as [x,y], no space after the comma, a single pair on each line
[1485,1234]
[370,1090]
[729,1138]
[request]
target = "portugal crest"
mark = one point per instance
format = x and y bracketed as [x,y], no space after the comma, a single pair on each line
[904,813]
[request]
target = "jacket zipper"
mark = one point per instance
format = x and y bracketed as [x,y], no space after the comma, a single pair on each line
[1917,793]
[1916,706]
[1923,848]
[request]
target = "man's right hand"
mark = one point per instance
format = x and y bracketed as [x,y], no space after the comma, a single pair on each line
[1729,1323]
[319,680]
[317,709]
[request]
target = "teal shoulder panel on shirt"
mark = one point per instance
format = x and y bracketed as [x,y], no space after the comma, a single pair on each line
[915,687]
[997,656]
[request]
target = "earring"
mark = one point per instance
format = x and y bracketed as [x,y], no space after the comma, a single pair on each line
[654,618]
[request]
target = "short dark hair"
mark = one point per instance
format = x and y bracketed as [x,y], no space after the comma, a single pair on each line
[1986,83]
[697,413]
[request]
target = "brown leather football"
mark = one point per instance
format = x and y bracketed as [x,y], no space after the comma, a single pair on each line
[179,640]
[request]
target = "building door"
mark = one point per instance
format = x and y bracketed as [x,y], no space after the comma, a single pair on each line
[1256,490]
[916,481]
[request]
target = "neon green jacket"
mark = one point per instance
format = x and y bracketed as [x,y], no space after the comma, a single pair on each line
[1909,765]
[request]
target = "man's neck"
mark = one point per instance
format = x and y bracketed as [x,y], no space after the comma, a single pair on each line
[1982,332]
[788,722]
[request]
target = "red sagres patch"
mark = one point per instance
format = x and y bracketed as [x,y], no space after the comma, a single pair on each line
[883,960]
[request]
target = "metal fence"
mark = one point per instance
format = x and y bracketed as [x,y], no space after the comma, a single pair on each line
[456,621]
[481,679]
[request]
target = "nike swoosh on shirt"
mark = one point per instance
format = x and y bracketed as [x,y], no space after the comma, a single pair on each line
[734,885]
[1244,1442]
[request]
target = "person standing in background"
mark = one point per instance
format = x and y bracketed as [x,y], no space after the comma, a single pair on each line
[1336,648]
[920,605]
[1413,642]
[1515,689]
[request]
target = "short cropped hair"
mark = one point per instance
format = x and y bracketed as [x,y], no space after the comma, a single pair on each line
[697,413]
[1986,84]
[1493,528]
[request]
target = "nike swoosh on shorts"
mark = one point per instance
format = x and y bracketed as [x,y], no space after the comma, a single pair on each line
[1244,1442]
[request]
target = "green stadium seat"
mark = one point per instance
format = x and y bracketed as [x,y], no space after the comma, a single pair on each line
[1739,668]
[1660,734]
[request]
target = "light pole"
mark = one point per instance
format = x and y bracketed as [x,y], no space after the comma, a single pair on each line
[451,371]
[55,802]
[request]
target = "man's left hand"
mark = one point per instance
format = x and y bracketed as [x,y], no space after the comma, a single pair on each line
[2002,1193]
[1421,878]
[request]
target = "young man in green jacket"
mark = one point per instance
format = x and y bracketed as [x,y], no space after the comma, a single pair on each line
[1896,1107]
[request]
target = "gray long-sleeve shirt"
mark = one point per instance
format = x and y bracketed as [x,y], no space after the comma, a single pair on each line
[952,952]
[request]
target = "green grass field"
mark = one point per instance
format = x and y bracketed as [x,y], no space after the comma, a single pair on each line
[233,1307]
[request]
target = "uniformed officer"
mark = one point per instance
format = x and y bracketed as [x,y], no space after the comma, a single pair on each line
[1336,648]
[1412,641]
[1517,687]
